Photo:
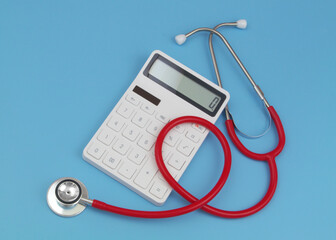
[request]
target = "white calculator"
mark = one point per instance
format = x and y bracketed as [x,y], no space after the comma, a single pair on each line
[123,146]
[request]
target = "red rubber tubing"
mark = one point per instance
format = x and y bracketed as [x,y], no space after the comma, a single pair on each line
[202,203]
[257,156]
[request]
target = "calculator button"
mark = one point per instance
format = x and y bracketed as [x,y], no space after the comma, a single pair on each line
[96,150]
[106,137]
[112,160]
[148,108]
[140,119]
[180,128]
[185,147]
[171,138]
[125,110]
[131,132]
[133,99]
[193,136]
[165,153]
[146,142]
[172,172]
[146,174]
[136,156]
[162,118]
[127,169]
[154,128]
[116,123]
[159,189]
[121,146]
[198,127]
[176,161]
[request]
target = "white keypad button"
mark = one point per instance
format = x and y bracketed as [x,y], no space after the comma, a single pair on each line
[165,153]
[162,118]
[146,142]
[127,169]
[140,119]
[159,189]
[171,138]
[177,161]
[136,156]
[193,136]
[96,150]
[148,108]
[185,147]
[146,174]
[154,128]
[106,137]
[112,160]
[133,99]
[180,128]
[121,146]
[125,110]
[131,132]
[116,123]
[198,127]
[172,172]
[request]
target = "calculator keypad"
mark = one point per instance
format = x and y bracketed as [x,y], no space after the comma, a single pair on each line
[124,147]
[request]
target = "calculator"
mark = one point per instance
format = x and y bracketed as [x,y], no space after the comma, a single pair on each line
[123,146]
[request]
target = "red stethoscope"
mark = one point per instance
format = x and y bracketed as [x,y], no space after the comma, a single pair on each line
[68,196]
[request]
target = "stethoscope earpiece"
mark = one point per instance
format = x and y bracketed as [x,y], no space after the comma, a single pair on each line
[67,197]
[180,39]
[242,24]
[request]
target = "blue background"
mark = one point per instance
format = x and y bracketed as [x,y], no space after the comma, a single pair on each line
[65,64]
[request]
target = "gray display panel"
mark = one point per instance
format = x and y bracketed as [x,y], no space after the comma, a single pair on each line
[184,85]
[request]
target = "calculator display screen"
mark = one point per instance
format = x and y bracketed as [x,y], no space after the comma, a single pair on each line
[186,85]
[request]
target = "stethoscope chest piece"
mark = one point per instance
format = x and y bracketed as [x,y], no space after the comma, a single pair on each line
[64,197]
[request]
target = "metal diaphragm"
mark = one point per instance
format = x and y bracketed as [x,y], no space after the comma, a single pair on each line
[64,197]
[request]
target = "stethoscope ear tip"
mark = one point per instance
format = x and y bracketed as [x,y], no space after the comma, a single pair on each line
[242,23]
[180,39]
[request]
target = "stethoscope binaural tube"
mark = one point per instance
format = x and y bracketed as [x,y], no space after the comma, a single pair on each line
[270,156]
[242,25]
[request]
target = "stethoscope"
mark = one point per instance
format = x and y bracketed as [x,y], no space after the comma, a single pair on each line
[68,196]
